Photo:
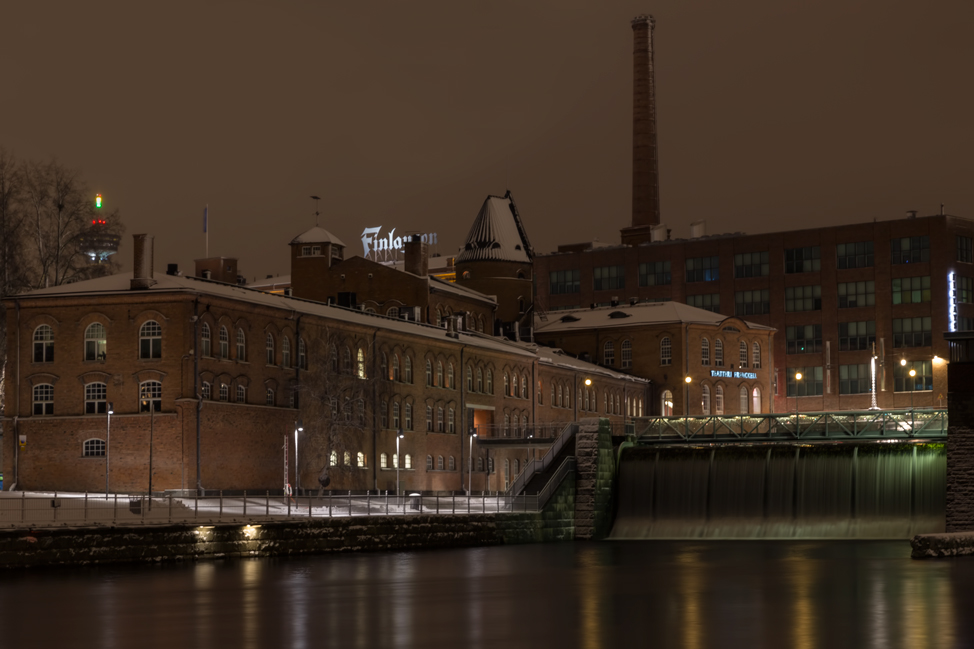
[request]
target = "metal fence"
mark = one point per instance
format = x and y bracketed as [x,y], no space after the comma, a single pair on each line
[804,426]
[35,510]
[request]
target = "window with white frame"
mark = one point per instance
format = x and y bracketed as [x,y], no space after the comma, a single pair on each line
[270,397]
[93,448]
[224,343]
[608,353]
[718,352]
[207,390]
[742,356]
[719,399]
[241,394]
[224,392]
[95,342]
[241,346]
[43,397]
[43,344]
[150,396]
[705,399]
[665,351]
[756,355]
[383,461]
[270,348]
[206,348]
[95,399]
[626,354]
[286,352]
[705,352]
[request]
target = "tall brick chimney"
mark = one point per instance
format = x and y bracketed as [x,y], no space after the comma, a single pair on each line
[645,165]
[417,259]
[142,268]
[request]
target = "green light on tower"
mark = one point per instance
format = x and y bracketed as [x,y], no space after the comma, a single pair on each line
[98,201]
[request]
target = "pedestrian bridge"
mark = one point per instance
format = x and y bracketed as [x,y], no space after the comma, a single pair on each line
[864,425]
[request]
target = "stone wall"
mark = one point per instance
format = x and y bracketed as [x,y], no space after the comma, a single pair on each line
[595,475]
[960,448]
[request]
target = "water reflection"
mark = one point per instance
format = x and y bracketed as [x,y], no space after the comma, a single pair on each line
[587,595]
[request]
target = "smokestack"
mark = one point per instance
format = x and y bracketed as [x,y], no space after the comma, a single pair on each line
[417,257]
[142,270]
[645,165]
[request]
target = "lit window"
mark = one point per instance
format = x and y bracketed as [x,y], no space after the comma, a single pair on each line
[95,341]
[383,461]
[207,390]
[407,461]
[150,396]
[360,460]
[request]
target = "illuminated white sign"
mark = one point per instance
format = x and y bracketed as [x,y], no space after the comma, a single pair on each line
[733,375]
[376,245]
[952,300]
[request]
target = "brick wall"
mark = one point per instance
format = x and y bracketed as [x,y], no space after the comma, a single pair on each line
[960,448]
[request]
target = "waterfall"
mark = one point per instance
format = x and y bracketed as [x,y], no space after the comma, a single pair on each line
[872,490]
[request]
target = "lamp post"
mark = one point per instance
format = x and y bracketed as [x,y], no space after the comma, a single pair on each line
[399,436]
[913,386]
[149,402]
[108,441]
[298,428]
[470,465]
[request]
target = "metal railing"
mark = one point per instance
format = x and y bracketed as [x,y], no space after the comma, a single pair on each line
[804,426]
[549,489]
[536,431]
[45,510]
[537,466]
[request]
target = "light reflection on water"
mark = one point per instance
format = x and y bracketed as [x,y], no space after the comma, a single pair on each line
[801,594]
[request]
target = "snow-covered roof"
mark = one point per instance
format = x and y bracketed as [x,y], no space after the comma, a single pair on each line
[627,315]
[497,234]
[271,282]
[438,284]
[559,358]
[317,235]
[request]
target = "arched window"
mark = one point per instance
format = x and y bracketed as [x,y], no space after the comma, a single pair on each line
[439,462]
[224,343]
[490,382]
[360,459]
[429,462]
[206,349]
[383,461]
[44,399]
[150,340]
[524,423]
[286,352]
[705,399]
[524,386]
[666,351]
[517,468]
[756,401]
[480,379]
[347,360]
[407,461]
[241,394]
[626,354]
[95,398]
[333,458]
[719,400]
[44,344]
[241,345]
[408,416]
[95,341]
[743,397]
[742,360]
[507,385]
[507,474]
[348,458]
[429,419]
[568,397]
[270,348]
[480,464]
[608,353]
[507,425]
[360,363]
[606,401]
[440,424]
[453,464]
[718,352]
[439,374]
[756,356]
[269,400]
[393,312]
[704,352]
[514,390]
[302,354]
[395,415]
[466,274]
[450,379]
[395,460]
[224,392]
[453,420]
[666,403]
[384,366]
[469,379]
[150,396]
[559,402]
[93,448]
[333,358]
[207,391]
[429,373]
[395,367]
[408,370]
[585,406]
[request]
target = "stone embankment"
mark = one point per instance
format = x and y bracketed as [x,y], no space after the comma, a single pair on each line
[951,544]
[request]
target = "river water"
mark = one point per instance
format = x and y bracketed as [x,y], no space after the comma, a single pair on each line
[689,594]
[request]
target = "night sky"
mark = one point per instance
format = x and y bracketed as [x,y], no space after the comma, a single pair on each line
[772,115]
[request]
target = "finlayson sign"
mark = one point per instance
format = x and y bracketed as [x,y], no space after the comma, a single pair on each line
[375,244]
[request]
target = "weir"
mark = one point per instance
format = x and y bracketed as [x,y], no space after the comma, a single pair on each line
[888,489]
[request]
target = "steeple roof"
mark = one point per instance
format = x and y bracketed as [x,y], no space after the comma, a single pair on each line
[497,234]
[317,235]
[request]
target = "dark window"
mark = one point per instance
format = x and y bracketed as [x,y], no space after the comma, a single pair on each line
[810,384]
[854,255]
[803,260]
[150,340]
[752,302]
[923,380]
[710,301]
[910,250]
[43,344]
[803,298]
[44,399]
[911,290]
[655,273]
[911,332]
[804,339]
[965,249]
[856,336]
[93,448]
[565,281]
[855,379]
[751,264]
[965,290]
[703,269]
[95,394]
[610,277]
[856,294]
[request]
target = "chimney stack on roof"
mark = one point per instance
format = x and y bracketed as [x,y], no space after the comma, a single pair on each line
[142,267]
[417,259]
[645,165]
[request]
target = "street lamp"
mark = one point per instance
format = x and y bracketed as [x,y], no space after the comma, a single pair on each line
[913,386]
[399,436]
[108,440]
[149,402]
[470,465]
[686,397]
[798,378]
[298,428]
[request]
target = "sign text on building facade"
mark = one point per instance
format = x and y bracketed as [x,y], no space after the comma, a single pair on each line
[376,245]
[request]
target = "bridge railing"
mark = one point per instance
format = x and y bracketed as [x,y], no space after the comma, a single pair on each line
[805,426]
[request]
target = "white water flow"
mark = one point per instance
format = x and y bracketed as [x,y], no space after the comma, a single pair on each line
[862,490]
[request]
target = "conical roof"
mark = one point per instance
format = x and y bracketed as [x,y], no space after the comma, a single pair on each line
[317,235]
[497,234]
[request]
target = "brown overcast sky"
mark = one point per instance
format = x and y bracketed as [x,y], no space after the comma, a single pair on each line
[772,114]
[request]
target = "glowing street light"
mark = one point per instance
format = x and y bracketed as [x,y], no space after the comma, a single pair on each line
[399,436]
[470,466]
[108,441]
[298,428]
[798,378]
[913,386]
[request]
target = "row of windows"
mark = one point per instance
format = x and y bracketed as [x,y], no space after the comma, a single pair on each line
[96,342]
[744,405]
[718,358]
[150,398]
[857,379]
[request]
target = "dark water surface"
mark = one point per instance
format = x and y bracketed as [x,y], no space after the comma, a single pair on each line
[612,594]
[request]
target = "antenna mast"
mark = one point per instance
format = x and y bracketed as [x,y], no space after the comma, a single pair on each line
[316,199]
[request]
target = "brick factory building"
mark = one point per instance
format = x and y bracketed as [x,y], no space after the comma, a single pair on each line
[184,359]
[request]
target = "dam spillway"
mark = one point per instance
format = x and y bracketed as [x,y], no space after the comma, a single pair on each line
[864,490]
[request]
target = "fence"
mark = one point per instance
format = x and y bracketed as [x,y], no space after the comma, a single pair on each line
[66,510]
